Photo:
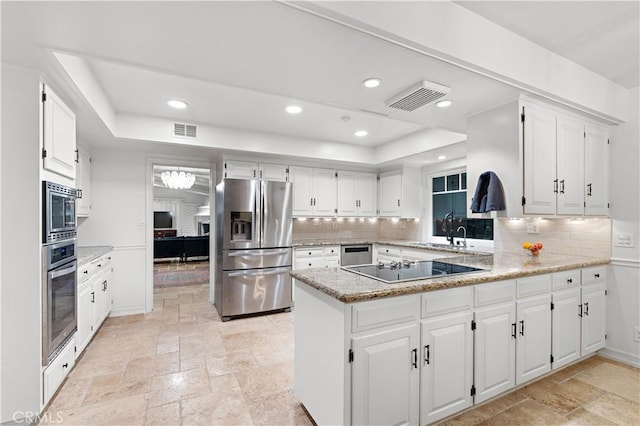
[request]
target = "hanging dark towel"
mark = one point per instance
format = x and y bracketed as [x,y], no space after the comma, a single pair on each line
[489,194]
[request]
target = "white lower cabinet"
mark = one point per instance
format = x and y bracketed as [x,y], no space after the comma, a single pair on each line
[533,342]
[56,372]
[385,377]
[593,318]
[495,348]
[447,366]
[565,344]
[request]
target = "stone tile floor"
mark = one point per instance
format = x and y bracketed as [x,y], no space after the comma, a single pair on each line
[180,365]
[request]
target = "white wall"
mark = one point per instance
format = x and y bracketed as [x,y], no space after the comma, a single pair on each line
[21,244]
[623,301]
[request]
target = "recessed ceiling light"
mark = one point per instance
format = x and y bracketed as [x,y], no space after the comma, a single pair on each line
[293,109]
[372,82]
[442,157]
[443,104]
[361,133]
[174,103]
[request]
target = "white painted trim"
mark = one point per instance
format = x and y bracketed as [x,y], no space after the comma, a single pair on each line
[630,263]
[128,311]
[623,357]
[148,228]
[128,247]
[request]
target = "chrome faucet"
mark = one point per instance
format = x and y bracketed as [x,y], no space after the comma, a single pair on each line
[448,229]
[464,243]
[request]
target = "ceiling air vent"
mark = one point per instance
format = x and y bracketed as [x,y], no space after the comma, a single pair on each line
[185,130]
[418,95]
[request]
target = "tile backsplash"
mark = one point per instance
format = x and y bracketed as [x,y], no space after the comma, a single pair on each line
[341,229]
[588,237]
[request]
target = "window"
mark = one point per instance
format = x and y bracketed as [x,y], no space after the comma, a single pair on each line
[449,195]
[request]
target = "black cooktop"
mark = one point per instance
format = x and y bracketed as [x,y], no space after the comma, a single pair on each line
[408,271]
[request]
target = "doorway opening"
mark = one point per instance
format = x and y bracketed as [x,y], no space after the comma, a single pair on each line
[181,225]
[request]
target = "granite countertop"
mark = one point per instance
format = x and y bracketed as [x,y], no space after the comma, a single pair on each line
[400,243]
[88,253]
[350,287]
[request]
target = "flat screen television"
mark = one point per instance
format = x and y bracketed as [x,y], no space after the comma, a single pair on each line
[162,220]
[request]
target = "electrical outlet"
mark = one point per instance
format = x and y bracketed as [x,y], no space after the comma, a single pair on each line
[403,224]
[334,225]
[636,333]
[533,228]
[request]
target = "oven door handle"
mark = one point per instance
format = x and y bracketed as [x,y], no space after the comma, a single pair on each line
[58,273]
[259,272]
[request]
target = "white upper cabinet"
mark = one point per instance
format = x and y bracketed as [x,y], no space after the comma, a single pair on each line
[240,169]
[570,155]
[400,193]
[539,161]
[562,157]
[357,193]
[274,172]
[314,191]
[83,183]
[59,135]
[596,159]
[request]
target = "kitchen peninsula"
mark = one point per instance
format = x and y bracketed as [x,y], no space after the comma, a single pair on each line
[420,351]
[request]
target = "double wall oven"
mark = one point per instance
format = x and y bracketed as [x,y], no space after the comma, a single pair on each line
[59,268]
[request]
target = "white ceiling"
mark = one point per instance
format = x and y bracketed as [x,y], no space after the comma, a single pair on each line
[238,64]
[603,36]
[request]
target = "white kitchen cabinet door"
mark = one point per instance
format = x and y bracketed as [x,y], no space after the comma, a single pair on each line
[274,172]
[447,366]
[565,334]
[236,169]
[324,192]
[86,316]
[59,135]
[100,298]
[83,183]
[385,378]
[570,152]
[540,183]
[302,179]
[390,193]
[596,171]
[593,318]
[533,344]
[367,190]
[347,196]
[495,351]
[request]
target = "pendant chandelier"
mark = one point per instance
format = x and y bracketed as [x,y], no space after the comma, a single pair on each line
[177,180]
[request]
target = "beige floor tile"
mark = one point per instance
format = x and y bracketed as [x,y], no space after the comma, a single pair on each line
[279,409]
[528,412]
[222,408]
[100,393]
[562,397]
[261,382]
[228,382]
[128,411]
[149,366]
[614,378]
[192,363]
[229,362]
[615,409]
[582,417]
[91,366]
[488,410]
[71,393]
[178,386]
[164,415]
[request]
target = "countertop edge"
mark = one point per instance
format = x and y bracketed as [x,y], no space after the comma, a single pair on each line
[422,286]
[86,254]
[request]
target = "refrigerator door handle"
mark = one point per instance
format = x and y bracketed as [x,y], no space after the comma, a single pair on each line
[243,253]
[259,213]
[259,272]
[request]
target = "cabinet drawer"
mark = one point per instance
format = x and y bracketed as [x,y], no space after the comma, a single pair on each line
[309,263]
[332,262]
[596,274]
[566,279]
[332,251]
[85,272]
[58,369]
[309,252]
[381,313]
[490,294]
[446,301]
[532,286]
[388,251]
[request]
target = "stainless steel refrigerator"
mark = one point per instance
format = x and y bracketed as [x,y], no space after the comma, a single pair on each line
[253,239]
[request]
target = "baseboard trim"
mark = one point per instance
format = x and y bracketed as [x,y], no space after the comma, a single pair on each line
[621,356]
[127,311]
